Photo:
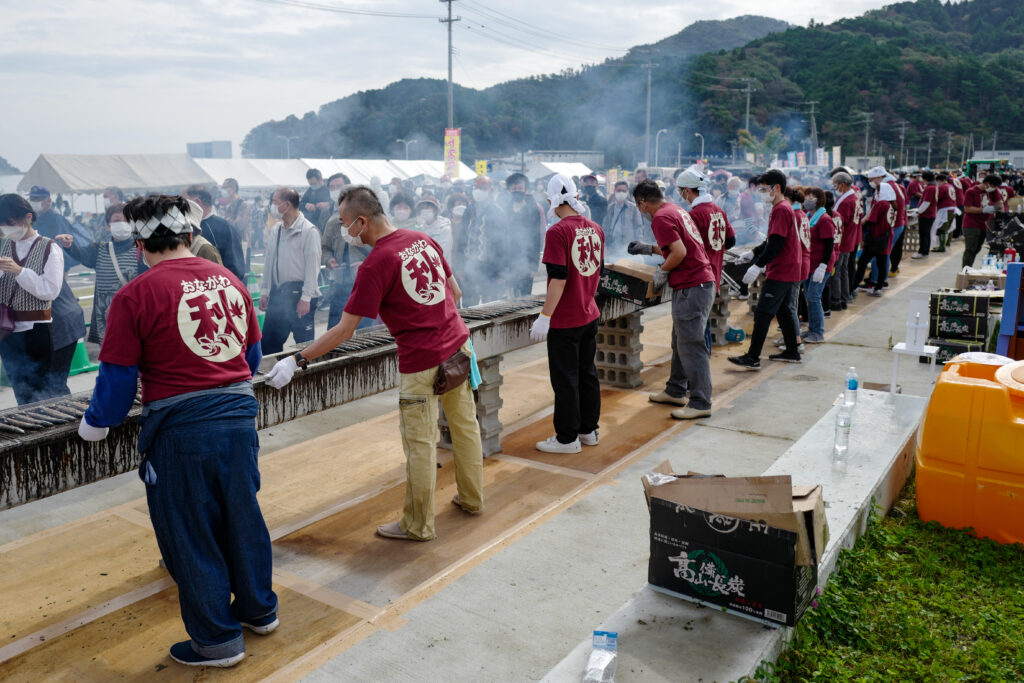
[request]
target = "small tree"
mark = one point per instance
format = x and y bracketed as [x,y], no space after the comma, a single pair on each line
[763,149]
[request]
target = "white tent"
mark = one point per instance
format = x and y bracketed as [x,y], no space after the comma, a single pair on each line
[239,169]
[426,167]
[92,173]
[282,172]
[543,169]
[9,183]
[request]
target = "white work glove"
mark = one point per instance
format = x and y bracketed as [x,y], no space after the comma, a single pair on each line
[282,372]
[819,273]
[745,257]
[989,209]
[539,331]
[90,433]
[751,274]
[660,279]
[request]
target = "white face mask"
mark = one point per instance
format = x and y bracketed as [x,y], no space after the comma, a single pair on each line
[274,211]
[335,194]
[36,206]
[480,196]
[620,197]
[764,195]
[402,214]
[425,217]
[459,211]
[446,186]
[14,232]
[107,202]
[120,230]
[350,239]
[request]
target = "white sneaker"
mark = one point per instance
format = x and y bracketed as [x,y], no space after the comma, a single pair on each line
[552,445]
[590,439]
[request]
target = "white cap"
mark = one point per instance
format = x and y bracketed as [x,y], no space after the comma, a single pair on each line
[876,172]
[692,178]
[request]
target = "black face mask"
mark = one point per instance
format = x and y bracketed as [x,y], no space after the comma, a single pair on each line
[518,197]
[589,190]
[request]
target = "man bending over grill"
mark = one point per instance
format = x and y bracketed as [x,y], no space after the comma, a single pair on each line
[407,282]
[187,327]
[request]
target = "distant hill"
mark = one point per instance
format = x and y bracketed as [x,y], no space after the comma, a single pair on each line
[6,168]
[595,107]
[955,68]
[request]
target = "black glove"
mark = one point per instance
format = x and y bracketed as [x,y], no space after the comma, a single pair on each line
[641,248]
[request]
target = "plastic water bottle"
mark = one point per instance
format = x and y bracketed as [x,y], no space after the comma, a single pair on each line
[842,443]
[852,384]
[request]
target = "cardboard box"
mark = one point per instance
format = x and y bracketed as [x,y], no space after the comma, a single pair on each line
[960,327]
[628,280]
[976,303]
[951,347]
[980,280]
[748,545]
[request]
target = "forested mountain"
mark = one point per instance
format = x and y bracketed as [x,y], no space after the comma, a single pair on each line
[954,68]
[595,107]
[6,168]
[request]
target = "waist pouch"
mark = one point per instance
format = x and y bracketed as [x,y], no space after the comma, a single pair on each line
[451,373]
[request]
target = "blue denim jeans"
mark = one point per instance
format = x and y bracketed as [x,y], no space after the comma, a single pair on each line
[210,529]
[895,237]
[815,313]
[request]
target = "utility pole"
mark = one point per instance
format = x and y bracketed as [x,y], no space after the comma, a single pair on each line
[971,149]
[288,144]
[733,143]
[647,134]
[814,136]
[748,90]
[451,92]
[995,134]
[949,147]
[903,135]
[931,134]
[867,130]
[963,152]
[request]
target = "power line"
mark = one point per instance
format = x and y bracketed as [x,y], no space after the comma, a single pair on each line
[322,7]
[512,22]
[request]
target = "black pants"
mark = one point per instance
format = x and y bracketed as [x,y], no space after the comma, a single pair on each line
[873,250]
[60,368]
[959,223]
[924,234]
[775,302]
[851,273]
[974,240]
[27,358]
[282,319]
[897,252]
[574,379]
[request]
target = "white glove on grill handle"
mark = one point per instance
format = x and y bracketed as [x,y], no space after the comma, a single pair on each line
[90,433]
[539,330]
[751,274]
[282,372]
[745,257]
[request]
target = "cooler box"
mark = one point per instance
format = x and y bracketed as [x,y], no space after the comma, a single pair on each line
[970,458]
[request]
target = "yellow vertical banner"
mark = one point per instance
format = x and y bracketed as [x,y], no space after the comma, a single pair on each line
[452,151]
[481,167]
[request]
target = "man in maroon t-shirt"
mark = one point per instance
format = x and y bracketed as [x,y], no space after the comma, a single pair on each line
[781,259]
[926,210]
[980,203]
[693,293]
[408,283]
[573,256]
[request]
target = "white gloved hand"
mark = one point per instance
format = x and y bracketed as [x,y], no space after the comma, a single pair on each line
[282,372]
[989,209]
[90,433]
[745,257]
[539,331]
[660,279]
[751,274]
[819,273]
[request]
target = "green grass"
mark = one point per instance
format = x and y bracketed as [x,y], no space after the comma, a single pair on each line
[913,601]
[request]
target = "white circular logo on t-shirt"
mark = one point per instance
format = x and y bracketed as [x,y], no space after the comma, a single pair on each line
[586,251]
[951,192]
[422,273]
[716,231]
[691,227]
[890,216]
[803,229]
[837,220]
[212,319]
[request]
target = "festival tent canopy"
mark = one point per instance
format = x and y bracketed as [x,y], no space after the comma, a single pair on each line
[282,172]
[432,169]
[92,173]
[543,169]
[239,169]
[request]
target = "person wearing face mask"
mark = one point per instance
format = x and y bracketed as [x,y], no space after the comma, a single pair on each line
[596,202]
[687,270]
[526,223]
[401,211]
[486,245]
[901,219]
[946,212]
[430,221]
[926,211]
[49,222]
[780,258]
[340,258]
[420,312]
[573,257]
[31,276]
[316,200]
[289,289]
[712,222]
[878,228]
[443,189]
[981,202]
[187,331]
[622,221]
[822,236]
[115,262]
[847,214]
[238,213]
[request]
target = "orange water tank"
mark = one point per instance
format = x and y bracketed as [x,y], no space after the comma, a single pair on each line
[970,450]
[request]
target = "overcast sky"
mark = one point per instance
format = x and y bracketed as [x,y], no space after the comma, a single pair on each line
[130,76]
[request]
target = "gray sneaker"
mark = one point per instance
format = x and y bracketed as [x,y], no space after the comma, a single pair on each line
[813,339]
[590,439]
